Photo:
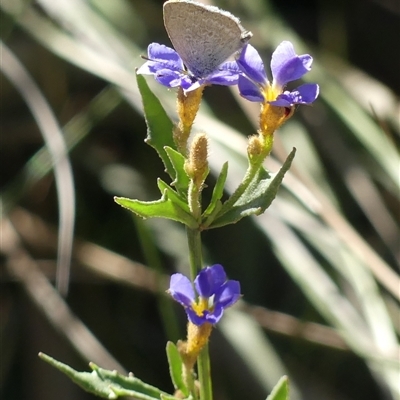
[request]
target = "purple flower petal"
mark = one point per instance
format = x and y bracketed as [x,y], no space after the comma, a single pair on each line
[252,65]
[222,79]
[308,92]
[194,318]
[165,55]
[304,94]
[283,100]
[167,67]
[250,90]
[214,316]
[181,289]
[209,280]
[227,74]
[228,294]
[173,79]
[286,66]
[282,54]
[170,78]
[217,273]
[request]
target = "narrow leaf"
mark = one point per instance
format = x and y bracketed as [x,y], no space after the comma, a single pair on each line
[257,197]
[159,125]
[181,181]
[106,384]
[281,390]
[217,194]
[172,195]
[176,368]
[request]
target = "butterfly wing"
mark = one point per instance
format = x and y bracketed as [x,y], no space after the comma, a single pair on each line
[204,36]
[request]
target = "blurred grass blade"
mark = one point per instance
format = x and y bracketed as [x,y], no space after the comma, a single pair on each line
[55,143]
[254,348]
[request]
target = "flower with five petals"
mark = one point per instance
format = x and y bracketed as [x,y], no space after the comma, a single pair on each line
[286,66]
[214,294]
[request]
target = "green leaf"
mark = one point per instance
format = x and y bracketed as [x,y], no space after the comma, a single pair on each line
[107,384]
[215,202]
[257,197]
[173,195]
[159,125]
[281,390]
[169,397]
[176,369]
[181,181]
[163,208]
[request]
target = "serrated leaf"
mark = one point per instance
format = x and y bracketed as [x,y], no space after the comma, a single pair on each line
[163,208]
[107,384]
[176,368]
[181,181]
[281,390]
[217,194]
[257,197]
[159,125]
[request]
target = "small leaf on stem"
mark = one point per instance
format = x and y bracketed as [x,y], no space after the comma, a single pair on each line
[176,368]
[281,390]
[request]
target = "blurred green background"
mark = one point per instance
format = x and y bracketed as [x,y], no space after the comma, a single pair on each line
[319,269]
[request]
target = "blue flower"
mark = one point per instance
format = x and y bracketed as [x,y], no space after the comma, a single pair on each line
[286,66]
[215,293]
[168,69]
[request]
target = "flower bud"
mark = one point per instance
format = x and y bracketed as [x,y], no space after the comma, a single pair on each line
[196,165]
[255,147]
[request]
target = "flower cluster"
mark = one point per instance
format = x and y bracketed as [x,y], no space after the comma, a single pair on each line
[214,294]
[205,299]
[248,72]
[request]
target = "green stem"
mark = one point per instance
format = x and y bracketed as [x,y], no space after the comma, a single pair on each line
[195,255]
[204,370]
[190,382]
[203,361]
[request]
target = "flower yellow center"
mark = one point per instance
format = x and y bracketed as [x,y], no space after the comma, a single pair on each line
[272,117]
[271,92]
[201,306]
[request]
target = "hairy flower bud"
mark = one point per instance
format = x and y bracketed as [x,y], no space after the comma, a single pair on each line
[196,165]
